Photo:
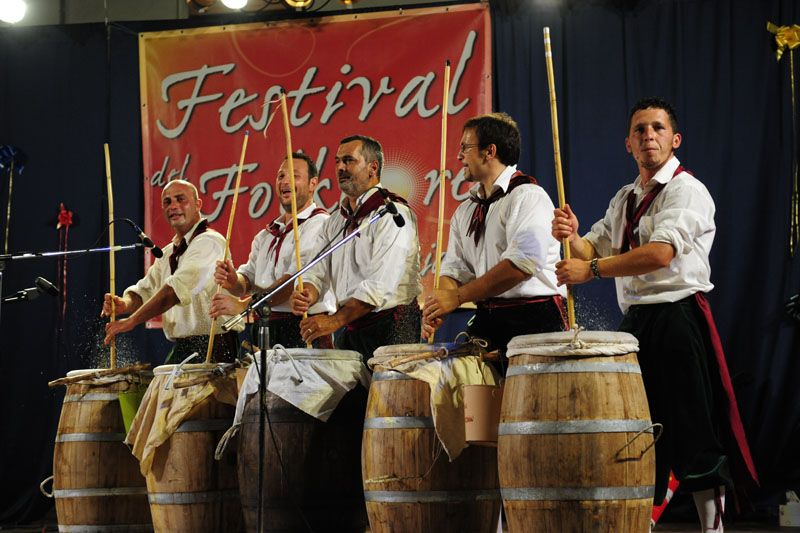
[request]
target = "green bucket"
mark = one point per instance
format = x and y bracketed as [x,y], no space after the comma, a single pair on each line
[129,402]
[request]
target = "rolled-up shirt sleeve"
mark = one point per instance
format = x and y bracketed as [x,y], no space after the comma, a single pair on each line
[195,268]
[455,264]
[686,214]
[601,235]
[528,230]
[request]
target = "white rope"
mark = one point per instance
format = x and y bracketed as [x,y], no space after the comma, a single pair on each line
[177,369]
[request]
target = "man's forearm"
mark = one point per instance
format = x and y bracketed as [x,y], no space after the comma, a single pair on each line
[161,301]
[353,309]
[500,278]
[580,248]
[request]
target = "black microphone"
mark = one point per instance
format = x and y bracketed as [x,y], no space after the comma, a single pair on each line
[45,287]
[146,241]
[392,209]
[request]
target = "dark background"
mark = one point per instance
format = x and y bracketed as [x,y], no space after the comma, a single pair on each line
[65,90]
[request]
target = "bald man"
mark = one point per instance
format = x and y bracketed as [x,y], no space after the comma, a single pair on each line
[180,285]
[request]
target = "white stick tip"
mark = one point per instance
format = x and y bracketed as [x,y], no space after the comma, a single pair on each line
[546,30]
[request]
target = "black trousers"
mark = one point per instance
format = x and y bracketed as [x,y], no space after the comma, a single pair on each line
[498,325]
[684,392]
[226,348]
[401,325]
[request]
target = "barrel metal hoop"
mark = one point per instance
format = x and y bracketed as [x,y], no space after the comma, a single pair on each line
[202,425]
[390,375]
[185,498]
[573,368]
[562,427]
[92,397]
[577,493]
[398,422]
[106,528]
[430,496]
[90,437]
[99,492]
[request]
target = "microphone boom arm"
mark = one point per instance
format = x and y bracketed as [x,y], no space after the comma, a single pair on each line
[264,299]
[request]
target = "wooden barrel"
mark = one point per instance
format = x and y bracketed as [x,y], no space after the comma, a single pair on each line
[188,489]
[409,483]
[312,470]
[96,481]
[575,439]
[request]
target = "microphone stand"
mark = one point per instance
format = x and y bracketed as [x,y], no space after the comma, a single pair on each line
[39,255]
[263,341]
[263,310]
[262,302]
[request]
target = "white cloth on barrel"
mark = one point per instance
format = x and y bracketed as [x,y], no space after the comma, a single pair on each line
[446,378]
[164,408]
[327,375]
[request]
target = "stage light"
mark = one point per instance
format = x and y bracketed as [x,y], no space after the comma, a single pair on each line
[234,4]
[12,10]
[348,3]
[299,5]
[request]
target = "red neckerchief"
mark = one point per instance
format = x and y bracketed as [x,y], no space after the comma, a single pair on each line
[177,251]
[279,234]
[633,215]
[482,204]
[370,204]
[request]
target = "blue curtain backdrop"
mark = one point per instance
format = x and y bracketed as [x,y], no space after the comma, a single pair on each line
[66,90]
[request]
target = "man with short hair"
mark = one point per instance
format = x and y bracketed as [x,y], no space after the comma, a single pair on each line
[272,258]
[179,286]
[500,253]
[655,240]
[374,276]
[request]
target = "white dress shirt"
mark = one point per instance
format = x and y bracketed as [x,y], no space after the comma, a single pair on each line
[262,270]
[380,267]
[193,283]
[681,215]
[517,228]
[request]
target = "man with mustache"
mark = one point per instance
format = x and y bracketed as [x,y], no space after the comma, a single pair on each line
[374,276]
[179,286]
[500,253]
[272,258]
[655,240]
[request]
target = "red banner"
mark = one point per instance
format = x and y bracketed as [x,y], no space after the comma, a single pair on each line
[377,74]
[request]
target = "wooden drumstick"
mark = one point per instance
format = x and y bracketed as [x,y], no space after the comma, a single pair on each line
[548,54]
[290,164]
[112,275]
[442,169]
[228,239]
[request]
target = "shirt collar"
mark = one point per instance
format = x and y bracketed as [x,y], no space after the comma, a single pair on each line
[363,198]
[502,182]
[662,176]
[302,215]
[176,241]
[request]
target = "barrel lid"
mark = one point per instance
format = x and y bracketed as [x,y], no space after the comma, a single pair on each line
[585,343]
[185,369]
[316,353]
[412,352]
[91,372]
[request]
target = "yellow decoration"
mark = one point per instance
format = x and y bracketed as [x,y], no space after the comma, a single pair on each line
[789,37]
[785,37]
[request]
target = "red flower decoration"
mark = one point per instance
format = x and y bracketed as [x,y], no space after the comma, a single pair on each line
[64,218]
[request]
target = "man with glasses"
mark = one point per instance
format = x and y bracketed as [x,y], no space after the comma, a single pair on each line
[374,276]
[500,253]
